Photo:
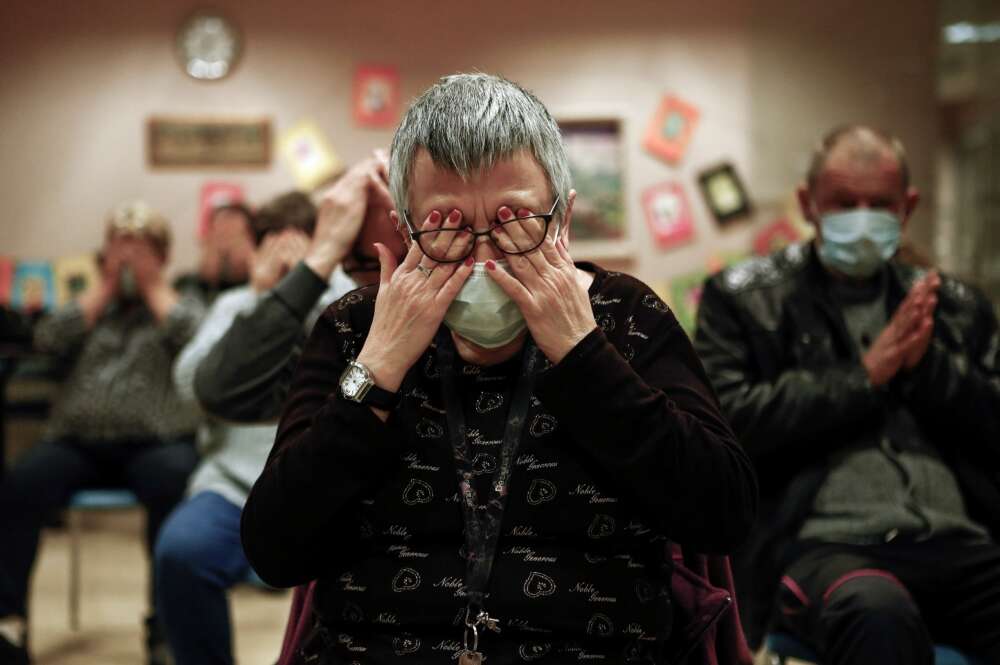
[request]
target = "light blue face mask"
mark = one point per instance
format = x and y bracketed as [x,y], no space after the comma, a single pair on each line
[856,243]
[482,312]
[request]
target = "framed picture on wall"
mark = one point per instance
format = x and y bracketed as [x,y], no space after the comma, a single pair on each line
[6,279]
[34,286]
[595,149]
[208,142]
[724,193]
[74,275]
[775,236]
[684,293]
[668,214]
[214,195]
[307,152]
[376,96]
[670,129]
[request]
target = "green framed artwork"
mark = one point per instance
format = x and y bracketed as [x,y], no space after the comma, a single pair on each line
[595,151]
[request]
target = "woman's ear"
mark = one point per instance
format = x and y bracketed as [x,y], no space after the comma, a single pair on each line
[567,217]
[401,229]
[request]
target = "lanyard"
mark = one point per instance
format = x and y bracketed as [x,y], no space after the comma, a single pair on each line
[482,523]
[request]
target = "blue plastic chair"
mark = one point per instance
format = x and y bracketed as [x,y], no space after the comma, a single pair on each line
[89,500]
[783,646]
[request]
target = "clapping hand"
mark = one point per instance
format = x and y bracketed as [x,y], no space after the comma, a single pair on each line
[904,341]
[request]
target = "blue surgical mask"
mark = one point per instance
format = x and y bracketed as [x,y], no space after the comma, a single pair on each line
[858,242]
[482,312]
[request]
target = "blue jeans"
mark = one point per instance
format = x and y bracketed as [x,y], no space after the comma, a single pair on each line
[198,556]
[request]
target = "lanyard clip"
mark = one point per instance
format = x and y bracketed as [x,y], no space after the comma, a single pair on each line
[482,619]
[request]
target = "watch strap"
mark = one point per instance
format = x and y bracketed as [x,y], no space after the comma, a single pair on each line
[380,398]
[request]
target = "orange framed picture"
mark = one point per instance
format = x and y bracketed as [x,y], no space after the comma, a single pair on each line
[376,96]
[670,130]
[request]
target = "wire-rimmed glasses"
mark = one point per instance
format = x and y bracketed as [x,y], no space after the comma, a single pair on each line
[519,235]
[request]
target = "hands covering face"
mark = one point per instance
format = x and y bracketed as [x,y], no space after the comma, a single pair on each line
[412,299]
[229,249]
[147,264]
[278,253]
[342,211]
[904,341]
[140,256]
[545,286]
[415,295]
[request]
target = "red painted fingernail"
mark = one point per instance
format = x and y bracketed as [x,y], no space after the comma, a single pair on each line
[454,215]
[504,214]
[469,260]
[491,265]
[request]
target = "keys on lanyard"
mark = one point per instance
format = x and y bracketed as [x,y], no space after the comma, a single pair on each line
[470,658]
[470,655]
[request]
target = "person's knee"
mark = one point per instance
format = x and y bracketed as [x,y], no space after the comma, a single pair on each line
[165,488]
[877,603]
[180,552]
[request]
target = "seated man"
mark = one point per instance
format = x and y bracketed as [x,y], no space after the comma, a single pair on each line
[868,393]
[198,554]
[118,420]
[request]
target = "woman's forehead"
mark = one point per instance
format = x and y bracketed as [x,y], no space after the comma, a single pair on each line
[518,180]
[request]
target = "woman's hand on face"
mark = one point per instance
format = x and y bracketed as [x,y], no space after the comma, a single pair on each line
[412,299]
[555,304]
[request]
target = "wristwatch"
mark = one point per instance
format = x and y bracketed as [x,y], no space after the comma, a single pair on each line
[358,385]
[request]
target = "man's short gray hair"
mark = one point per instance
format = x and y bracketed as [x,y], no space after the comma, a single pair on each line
[469,122]
[867,142]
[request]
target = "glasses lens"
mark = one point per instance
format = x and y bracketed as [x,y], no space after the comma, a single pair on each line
[446,245]
[519,235]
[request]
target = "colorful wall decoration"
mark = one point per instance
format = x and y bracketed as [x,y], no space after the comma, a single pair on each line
[214,195]
[376,96]
[668,214]
[309,155]
[670,129]
[33,287]
[724,193]
[596,160]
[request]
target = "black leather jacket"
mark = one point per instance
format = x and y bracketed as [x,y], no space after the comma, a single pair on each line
[791,382]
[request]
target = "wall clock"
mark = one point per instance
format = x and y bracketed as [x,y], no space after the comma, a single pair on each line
[208,45]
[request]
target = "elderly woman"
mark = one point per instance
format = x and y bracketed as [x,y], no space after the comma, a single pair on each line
[486,455]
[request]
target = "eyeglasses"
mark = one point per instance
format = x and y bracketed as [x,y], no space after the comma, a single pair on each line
[519,235]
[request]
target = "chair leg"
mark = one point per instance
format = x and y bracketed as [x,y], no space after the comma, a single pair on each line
[74,569]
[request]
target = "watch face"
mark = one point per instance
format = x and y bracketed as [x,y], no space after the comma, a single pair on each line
[208,46]
[353,381]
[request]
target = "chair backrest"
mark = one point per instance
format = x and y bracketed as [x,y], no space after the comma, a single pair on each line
[103,499]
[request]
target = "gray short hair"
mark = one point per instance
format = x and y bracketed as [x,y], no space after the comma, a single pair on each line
[468,122]
[868,141]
